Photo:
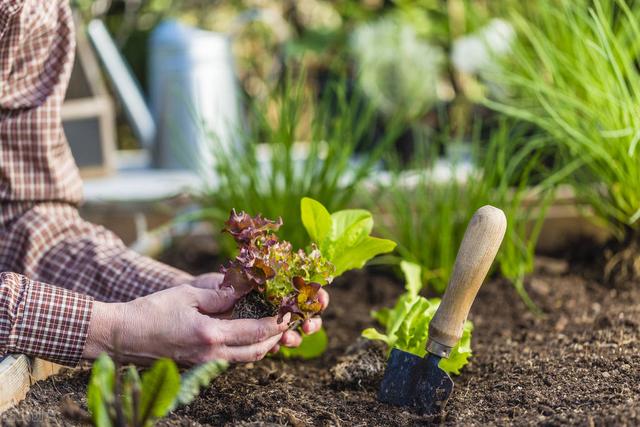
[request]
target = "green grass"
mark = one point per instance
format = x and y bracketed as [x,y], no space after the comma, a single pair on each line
[428,219]
[574,74]
[330,130]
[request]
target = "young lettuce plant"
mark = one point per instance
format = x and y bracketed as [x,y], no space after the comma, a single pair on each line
[282,280]
[129,400]
[407,323]
[343,236]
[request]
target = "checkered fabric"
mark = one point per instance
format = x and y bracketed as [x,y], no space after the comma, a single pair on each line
[52,263]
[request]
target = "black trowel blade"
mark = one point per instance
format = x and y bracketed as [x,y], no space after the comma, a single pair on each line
[410,380]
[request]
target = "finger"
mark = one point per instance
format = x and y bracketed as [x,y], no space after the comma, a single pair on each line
[253,352]
[212,301]
[239,332]
[291,339]
[311,326]
[208,281]
[323,297]
[275,349]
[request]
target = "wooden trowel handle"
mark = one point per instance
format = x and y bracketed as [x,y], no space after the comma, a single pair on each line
[477,251]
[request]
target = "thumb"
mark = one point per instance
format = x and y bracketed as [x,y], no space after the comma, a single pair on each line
[213,301]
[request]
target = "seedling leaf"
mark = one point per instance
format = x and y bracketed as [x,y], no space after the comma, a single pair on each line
[197,378]
[316,219]
[312,346]
[100,390]
[160,386]
[407,324]
[348,245]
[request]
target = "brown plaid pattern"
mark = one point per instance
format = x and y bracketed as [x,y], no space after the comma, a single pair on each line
[52,263]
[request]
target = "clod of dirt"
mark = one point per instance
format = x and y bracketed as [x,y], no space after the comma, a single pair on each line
[253,306]
[362,364]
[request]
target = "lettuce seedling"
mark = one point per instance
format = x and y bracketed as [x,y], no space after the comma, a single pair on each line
[287,281]
[282,280]
[129,400]
[407,323]
[343,237]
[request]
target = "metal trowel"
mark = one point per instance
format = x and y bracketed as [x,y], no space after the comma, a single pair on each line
[410,380]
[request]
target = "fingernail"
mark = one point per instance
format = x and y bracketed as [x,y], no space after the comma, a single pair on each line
[286,319]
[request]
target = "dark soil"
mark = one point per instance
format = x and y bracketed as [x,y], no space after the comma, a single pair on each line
[579,364]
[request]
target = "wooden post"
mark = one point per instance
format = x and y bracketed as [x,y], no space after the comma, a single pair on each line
[17,374]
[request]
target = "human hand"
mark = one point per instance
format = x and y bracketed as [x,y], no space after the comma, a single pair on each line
[179,323]
[289,338]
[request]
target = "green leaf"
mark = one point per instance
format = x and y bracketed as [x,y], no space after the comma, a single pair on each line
[312,346]
[407,328]
[160,387]
[316,219]
[357,255]
[460,354]
[373,334]
[413,277]
[343,237]
[353,223]
[100,390]
[197,378]
[131,386]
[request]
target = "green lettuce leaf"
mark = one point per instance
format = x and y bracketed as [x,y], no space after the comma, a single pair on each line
[407,323]
[160,387]
[343,237]
[312,346]
[100,396]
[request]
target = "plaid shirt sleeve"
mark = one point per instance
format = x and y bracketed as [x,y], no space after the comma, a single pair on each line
[50,243]
[52,263]
[42,320]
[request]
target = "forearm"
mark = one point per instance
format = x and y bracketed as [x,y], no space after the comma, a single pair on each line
[51,243]
[42,320]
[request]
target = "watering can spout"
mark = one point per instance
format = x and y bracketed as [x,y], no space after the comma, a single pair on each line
[124,83]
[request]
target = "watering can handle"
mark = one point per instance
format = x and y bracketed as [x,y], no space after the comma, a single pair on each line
[476,254]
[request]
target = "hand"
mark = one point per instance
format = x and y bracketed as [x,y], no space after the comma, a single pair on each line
[177,323]
[289,338]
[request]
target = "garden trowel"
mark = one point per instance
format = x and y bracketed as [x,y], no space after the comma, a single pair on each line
[410,380]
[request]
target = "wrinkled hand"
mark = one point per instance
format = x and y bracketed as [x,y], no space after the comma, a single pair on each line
[190,324]
[289,338]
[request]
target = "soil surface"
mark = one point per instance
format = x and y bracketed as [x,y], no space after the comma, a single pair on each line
[578,364]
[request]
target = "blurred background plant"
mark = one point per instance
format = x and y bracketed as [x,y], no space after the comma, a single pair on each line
[438,197]
[574,74]
[315,157]
[407,56]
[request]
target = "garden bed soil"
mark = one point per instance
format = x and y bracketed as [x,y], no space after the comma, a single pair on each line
[578,364]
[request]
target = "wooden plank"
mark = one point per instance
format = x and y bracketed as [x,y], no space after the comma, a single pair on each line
[17,374]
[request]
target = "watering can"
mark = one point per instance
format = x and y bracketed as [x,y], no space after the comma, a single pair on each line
[193,94]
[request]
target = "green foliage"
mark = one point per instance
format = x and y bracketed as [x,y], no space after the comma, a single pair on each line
[159,388]
[197,378]
[398,71]
[312,346]
[343,237]
[315,158]
[427,214]
[288,280]
[129,401]
[407,323]
[574,74]
[100,392]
